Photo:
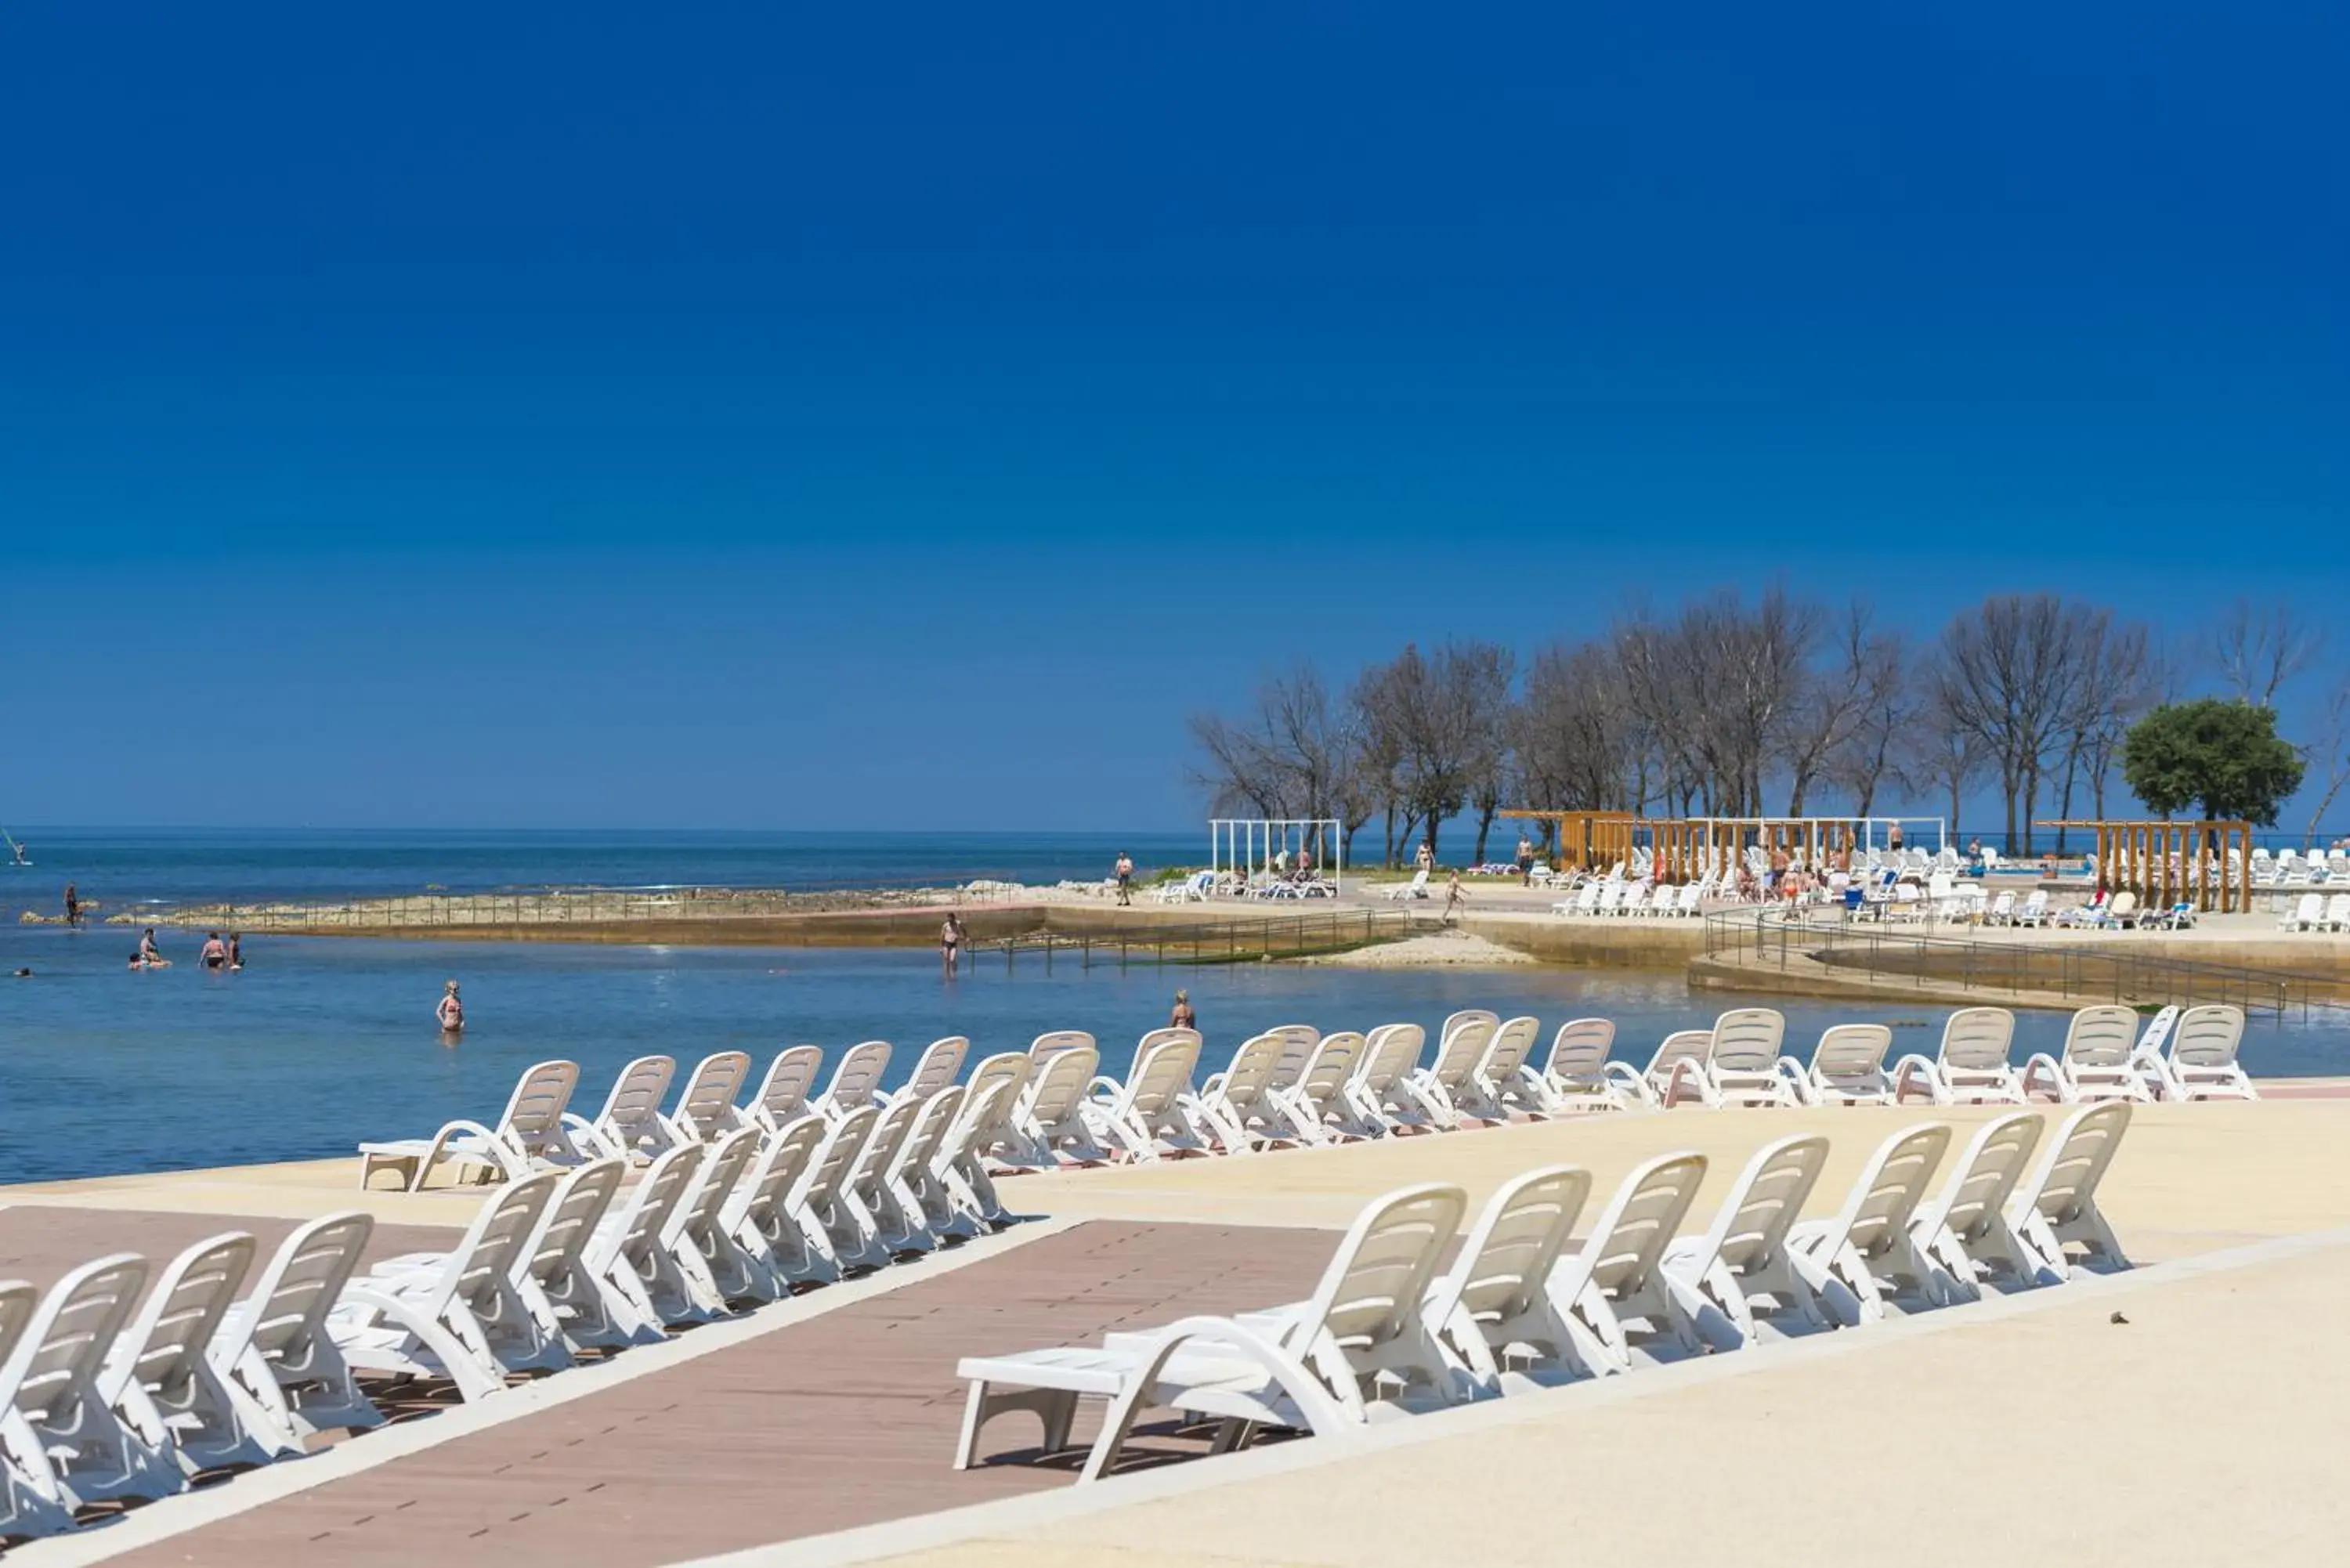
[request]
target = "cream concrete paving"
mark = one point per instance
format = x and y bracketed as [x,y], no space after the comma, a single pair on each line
[2204,1428]
[301,1190]
[2188,1177]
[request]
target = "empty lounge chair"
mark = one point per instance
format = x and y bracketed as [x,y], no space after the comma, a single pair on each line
[1866,1256]
[2094,1063]
[532,1134]
[1972,1066]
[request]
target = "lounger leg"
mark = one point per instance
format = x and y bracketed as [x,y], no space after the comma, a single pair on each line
[1055,1407]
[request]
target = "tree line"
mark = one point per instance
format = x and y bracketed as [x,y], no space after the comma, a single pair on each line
[1774,704]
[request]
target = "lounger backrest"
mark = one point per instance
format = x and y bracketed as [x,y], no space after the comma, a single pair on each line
[1006,1070]
[301,1283]
[939,1113]
[2036,902]
[1889,1188]
[2310,910]
[1766,1201]
[176,1326]
[1580,1049]
[1681,1045]
[707,1106]
[828,1171]
[1158,1037]
[1978,1039]
[2124,903]
[633,1107]
[17,1300]
[2004,904]
[478,1266]
[2067,1179]
[939,1065]
[2100,1036]
[728,1162]
[1375,1281]
[1466,1015]
[1162,1071]
[1244,1082]
[1986,1174]
[1747,1039]
[578,1208]
[2157,1031]
[1052,1044]
[856,1077]
[1642,1220]
[1507,1257]
[1391,1054]
[1852,1054]
[784,1092]
[1332,1065]
[57,1360]
[889,1135]
[1061,1082]
[534,1111]
[1507,1052]
[2208,1036]
[1462,1049]
[654,1203]
[1297,1043]
[780,1166]
[2337,908]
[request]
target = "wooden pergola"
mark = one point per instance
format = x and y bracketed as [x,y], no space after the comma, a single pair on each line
[1587,839]
[2166,862]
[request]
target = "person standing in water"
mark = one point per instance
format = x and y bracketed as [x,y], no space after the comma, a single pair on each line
[1183,1017]
[451,1012]
[236,952]
[215,952]
[73,905]
[149,953]
[950,943]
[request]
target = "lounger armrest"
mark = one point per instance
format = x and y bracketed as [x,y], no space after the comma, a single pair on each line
[1232,1340]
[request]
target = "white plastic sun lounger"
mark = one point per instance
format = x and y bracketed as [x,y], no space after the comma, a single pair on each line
[996,1136]
[462,1320]
[1741,1274]
[2200,1061]
[571,1302]
[1972,1066]
[630,1125]
[1297,1043]
[33,1501]
[856,1082]
[916,1186]
[1052,1042]
[160,1381]
[1494,1313]
[81,1452]
[1052,1115]
[1675,1072]
[1742,1059]
[1149,1116]
[939,1065]
[706,1111]
[2056,1208]
[1575,1076]
[892,1231]
[759,1217]
[1614,1285]
[1500,1082]
[707,1255]
[1865,1256]
[273,1348]
[2094,1063]
[1847,1067]
[782,1097]
[1962,1231]
[1359,1350]
[1237,1105]
[1316,1106]
[958,1163]
[840,1230]
[1443,1081]
[647,1285]
[532,1134]
[1382,1090]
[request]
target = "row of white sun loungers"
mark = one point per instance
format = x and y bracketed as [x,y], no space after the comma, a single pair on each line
[2317,912]
[1389,1332]
[1632,899]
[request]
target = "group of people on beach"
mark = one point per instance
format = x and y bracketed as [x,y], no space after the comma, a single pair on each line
[215,954]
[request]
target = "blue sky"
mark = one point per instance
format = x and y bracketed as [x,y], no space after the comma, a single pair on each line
[744,416]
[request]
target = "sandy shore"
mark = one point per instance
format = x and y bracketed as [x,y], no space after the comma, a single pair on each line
[1437,950]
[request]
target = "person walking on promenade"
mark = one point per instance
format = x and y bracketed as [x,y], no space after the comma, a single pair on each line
[950,943]
[451,1012]
[1455,896]
[73,905]
[1183,1016]
[1525,861]
[1425,858]
[1125,877]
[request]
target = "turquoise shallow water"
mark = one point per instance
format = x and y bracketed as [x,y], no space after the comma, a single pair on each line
[321,1043]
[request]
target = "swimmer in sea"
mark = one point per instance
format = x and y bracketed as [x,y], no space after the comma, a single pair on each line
[149,953]
[236,952]
[452,1011]
[215,952]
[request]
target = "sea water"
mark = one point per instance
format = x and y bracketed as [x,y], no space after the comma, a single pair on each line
[323,1042]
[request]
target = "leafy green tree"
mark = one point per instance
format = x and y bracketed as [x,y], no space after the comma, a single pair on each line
[2223,756]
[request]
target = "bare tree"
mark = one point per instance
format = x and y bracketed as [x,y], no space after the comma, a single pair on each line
[2259,648]
[1873,753]
[1834,701]
[1298,753]
[2332,750]
[2118,677]
[1718,690]
[2008,675]
[1938,755]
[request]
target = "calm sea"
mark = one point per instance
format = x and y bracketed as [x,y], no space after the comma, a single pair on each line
[323,1042]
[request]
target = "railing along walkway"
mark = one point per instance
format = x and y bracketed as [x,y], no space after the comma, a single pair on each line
[1296,935]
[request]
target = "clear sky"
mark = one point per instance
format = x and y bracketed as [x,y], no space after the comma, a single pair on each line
[839,417]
